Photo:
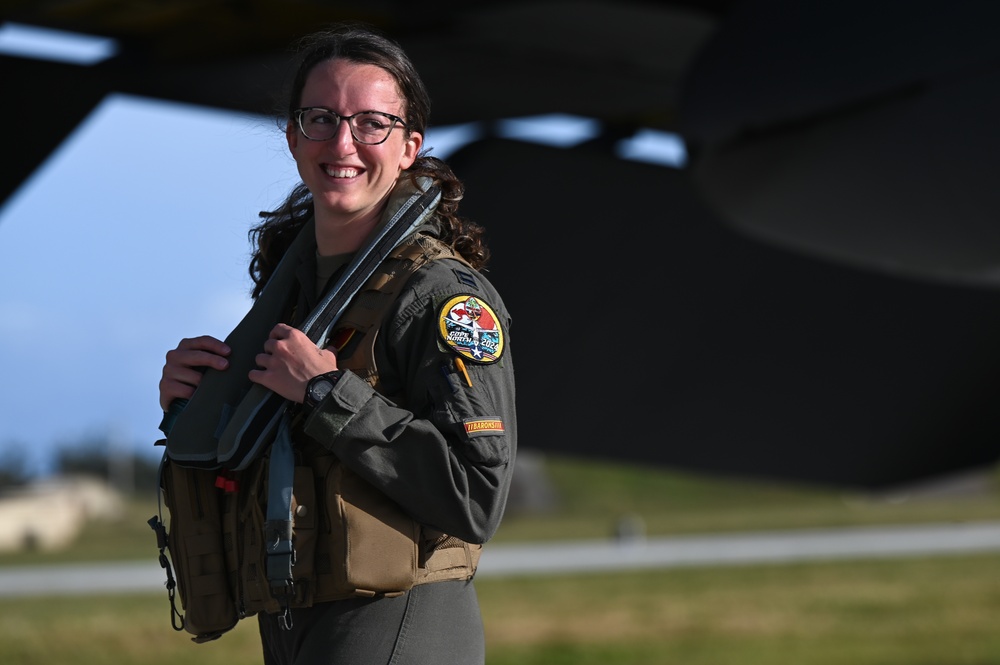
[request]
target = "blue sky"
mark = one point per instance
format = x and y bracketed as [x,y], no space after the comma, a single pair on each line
[132,236]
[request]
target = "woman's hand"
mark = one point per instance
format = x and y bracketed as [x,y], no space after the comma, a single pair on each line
[184,367]
[289,360]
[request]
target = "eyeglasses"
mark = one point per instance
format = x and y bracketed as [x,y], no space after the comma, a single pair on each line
[369,127]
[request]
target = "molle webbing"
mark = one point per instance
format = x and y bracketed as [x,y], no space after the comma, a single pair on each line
[373,547]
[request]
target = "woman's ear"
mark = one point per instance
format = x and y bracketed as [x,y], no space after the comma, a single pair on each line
[292,136]
[411,149]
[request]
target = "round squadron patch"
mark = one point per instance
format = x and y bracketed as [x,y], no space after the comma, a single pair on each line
[471,329]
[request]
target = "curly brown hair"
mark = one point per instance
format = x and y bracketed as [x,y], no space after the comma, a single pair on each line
[272,236]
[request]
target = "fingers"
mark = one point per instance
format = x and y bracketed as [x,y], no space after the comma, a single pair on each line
[171,390]
[204,351]
[288,360]
[263,360]
[184,366]
[283,331]
[287,342]
[205,343]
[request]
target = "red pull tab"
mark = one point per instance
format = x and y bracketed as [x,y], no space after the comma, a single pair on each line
[226,483]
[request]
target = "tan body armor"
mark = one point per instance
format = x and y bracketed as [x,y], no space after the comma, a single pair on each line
[349,538]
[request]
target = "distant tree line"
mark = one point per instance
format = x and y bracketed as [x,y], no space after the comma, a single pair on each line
[99,457]
[14,467]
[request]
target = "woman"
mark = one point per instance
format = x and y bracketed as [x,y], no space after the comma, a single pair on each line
[423,424]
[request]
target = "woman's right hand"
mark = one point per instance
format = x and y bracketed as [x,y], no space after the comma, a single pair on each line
[183,370]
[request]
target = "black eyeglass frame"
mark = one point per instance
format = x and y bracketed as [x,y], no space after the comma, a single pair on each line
[298,113]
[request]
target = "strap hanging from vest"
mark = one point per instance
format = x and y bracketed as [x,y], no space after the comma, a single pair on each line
[278,526]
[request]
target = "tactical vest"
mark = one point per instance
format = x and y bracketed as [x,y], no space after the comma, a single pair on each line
[349,538]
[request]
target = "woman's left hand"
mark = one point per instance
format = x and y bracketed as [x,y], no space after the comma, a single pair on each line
[289,360]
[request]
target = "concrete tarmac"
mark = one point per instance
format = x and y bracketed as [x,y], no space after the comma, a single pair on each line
[502,559]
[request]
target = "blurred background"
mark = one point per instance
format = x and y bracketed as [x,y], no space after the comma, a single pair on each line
[750,249]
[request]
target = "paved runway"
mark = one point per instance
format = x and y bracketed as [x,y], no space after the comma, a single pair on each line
[585,556]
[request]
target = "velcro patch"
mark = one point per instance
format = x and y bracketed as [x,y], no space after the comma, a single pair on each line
[465,277]
[483,426]
[471,329]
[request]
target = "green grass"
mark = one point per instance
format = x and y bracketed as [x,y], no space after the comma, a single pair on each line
[939,611]
[593,496]
[909,611]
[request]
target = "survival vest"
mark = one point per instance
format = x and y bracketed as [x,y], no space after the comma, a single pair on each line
[349,538]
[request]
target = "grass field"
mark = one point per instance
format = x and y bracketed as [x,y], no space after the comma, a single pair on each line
[919,611]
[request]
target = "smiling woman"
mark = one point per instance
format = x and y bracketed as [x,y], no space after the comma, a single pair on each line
[350,168]
[386,464]
[204,174]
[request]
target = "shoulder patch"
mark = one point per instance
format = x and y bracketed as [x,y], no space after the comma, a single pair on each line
[470,328]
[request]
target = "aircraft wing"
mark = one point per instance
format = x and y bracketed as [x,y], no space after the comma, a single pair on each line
[814,299]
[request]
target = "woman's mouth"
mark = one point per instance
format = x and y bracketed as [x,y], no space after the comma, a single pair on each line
[335,172]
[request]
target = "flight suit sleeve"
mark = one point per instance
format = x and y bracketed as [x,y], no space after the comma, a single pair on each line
[443,448]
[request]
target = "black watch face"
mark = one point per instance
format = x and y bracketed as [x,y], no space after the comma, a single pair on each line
[320,389]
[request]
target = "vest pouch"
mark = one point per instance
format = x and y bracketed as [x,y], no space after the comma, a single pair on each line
[195,543]
[249,524]
[445,557]
[304,518]
[380,542]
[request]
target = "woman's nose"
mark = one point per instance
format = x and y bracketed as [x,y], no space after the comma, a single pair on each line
[343,138]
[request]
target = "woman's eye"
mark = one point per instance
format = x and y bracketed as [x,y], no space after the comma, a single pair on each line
[371,123]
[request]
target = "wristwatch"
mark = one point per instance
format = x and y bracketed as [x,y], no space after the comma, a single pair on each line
[320,386]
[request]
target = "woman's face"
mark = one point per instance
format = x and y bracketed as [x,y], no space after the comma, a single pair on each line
[350,181]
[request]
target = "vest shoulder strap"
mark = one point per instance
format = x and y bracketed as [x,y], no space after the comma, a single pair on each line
[358,327]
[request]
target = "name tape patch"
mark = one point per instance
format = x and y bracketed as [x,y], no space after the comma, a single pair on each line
[484,426]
